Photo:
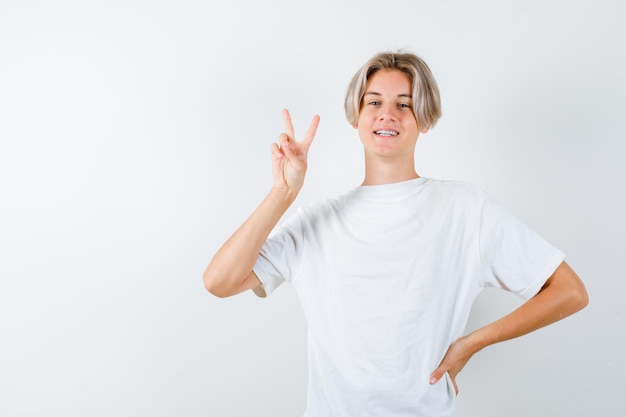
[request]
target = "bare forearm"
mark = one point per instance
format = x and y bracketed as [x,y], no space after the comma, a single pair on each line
[230,270]
[562,295]
[234,261]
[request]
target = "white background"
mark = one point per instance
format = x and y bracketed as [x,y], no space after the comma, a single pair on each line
[135,138]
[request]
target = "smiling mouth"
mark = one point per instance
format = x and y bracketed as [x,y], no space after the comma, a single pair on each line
[386,133]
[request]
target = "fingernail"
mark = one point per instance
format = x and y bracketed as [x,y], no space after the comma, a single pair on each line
[433,380]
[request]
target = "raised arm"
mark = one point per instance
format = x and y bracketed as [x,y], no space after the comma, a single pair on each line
[563,294]
[230,270]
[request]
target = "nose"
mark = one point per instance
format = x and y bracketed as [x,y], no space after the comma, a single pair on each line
[388,111]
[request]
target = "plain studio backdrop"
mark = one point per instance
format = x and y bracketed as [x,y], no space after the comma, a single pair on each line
[135,138]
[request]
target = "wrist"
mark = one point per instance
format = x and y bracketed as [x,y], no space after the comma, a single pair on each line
[478,340]
[285,195]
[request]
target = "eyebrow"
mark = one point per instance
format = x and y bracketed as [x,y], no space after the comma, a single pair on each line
[374,93]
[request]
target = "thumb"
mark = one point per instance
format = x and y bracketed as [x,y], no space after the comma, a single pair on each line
[437,375]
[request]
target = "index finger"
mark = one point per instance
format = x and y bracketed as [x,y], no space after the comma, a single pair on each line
[288,124]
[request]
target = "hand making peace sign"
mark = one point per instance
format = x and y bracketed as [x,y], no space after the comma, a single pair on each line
[289,157]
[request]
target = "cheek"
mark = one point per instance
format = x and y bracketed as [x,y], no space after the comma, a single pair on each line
[361,120]
[409,122]
[363,133]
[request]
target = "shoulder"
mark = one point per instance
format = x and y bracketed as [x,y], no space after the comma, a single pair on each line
[456,191]
[312,212]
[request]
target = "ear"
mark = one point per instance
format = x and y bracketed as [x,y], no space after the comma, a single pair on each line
[355,126]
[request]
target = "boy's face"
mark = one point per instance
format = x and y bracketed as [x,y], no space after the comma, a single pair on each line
[386,124]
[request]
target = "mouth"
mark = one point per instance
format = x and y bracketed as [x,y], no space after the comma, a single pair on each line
[386,133]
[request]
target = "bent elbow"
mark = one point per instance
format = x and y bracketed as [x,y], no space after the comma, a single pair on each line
[576,298]
[574,295]
[213,285]
[581,298]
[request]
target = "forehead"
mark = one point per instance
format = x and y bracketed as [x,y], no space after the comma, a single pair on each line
[389,81]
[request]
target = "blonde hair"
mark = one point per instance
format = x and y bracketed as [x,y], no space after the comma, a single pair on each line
[425,93]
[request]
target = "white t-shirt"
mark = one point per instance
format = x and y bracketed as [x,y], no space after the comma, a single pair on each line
[386,276]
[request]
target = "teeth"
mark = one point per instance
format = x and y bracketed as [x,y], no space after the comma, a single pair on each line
[386,132]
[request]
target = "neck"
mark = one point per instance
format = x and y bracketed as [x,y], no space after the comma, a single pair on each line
[381,171]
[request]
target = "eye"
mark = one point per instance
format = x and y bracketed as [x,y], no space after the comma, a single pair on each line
[404,105]
[374,103]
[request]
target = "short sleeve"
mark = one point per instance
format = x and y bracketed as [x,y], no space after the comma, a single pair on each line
[515,258]
[279,258]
